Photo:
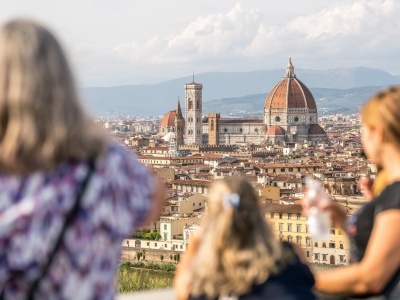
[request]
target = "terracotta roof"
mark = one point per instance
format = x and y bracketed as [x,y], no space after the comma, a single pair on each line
[276,130]
[292,208]
[169,119]
[290,93]
[315,129]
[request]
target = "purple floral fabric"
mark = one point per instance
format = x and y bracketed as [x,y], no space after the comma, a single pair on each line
[32,212]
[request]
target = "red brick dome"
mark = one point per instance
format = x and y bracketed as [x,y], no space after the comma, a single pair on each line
[276,130]
[290,93]
[316,130]
[169,119]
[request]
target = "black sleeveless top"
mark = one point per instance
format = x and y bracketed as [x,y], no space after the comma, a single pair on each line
[359,226]
[294,282]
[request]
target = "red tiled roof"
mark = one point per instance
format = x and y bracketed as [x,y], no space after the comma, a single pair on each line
[315,129]
[276,130]
[169,119]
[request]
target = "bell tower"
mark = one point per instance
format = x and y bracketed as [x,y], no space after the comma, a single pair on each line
[213,129]
[193,113]
[179,125]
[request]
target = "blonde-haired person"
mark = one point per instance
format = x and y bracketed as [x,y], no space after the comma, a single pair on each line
[374,230]
[236,254]
[68,195]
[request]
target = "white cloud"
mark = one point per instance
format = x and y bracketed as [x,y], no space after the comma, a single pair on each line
[347,34]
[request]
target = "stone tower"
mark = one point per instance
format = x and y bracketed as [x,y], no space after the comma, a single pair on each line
[213,128]
[179,126]
[193,115]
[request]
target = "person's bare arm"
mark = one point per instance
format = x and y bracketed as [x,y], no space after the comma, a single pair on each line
[380,262]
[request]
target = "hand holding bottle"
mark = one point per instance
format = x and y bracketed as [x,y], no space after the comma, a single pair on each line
[314,204]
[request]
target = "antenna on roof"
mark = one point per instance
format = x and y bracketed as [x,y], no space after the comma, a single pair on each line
[193,76]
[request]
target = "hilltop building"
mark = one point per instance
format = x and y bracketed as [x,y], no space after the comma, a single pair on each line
[290,116]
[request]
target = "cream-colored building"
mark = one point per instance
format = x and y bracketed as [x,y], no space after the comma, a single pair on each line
[289,225]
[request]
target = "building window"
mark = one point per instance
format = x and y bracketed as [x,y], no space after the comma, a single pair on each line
[341,258]
[289,216]
[155,244]
[324,257]
[225,129]
[341,246]
[280,216]
[298,240]
[298,228]
[296,119]
[315,244]
[190,104]
[165,237]
[332,245]
[332,231]
[323,245]
[165,225]
[308,253]
[283,170]
[280,226]
[197,104]
[289,238]
[277,119]
[308,242]
[298,216]
[289,227]
[272,215]
[290,169]
[316,256]
[306,228]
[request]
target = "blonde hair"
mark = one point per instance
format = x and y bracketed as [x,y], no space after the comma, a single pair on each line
[238,248]
[41,120]
[383,109]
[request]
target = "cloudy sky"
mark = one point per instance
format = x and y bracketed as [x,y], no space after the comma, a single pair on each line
[118,42]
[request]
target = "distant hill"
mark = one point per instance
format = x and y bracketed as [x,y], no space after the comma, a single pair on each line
[329,101]
[220,86]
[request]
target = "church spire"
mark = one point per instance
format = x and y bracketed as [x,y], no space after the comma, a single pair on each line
[179,111]
[290,70]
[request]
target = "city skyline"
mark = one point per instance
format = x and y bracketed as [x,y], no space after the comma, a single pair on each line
[133,42]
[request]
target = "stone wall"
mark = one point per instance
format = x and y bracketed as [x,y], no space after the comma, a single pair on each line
[150,255]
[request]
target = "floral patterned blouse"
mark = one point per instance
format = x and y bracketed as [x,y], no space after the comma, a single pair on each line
[32,212]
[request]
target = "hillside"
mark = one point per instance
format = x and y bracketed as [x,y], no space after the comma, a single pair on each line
[240,90]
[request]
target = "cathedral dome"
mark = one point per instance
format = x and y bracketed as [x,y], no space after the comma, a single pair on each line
[315,129]
[276,130]
[169,119]
[290,93]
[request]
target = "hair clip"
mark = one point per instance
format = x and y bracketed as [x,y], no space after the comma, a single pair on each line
[231,200]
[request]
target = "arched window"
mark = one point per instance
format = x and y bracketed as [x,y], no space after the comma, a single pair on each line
[212,125]
[190,104]
[197,104]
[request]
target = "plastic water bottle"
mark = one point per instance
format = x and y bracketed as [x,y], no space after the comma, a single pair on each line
[319,222]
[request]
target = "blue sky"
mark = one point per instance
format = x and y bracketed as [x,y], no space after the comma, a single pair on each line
[123,42]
